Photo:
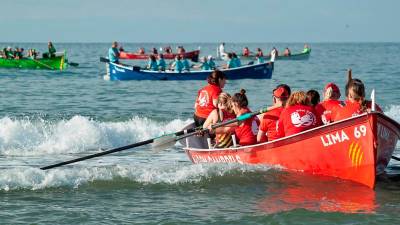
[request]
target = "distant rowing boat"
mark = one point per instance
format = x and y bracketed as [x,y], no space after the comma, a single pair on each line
[297,56]
[124,72]
[59,62]
[192,55]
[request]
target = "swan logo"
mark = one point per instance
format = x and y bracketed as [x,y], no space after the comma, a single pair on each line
[203,98]
[303,121]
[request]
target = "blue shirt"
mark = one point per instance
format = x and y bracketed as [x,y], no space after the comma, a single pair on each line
[161,64]
[237,62]
[260,60]
[178,66]
[205,66]
[211,63]
[186,65]
[113,54]
[231,63]
[152,65]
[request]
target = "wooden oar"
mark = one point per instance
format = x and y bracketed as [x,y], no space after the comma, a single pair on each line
[172,136]
[42,64]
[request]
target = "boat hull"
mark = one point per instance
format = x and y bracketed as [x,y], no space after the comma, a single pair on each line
[192,55]
[297,56]
[355,149]
[121,72]
[54,63]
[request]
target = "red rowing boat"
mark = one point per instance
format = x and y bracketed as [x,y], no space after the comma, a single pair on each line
[192,55]
[356,149]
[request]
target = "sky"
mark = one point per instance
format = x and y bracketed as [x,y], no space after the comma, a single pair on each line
[189,21]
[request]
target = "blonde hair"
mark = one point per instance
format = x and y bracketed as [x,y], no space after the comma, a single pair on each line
[226,100]
[298,98]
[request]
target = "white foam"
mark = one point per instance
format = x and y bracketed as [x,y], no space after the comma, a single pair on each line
[393,111]
[25,137]
[178,173]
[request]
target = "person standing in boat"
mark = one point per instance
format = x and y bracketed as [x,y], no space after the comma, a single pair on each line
[152,64]
[206,100]
[267,131]
[223,113]
[113,53]
[355,103]
[161,64]
[245,131]
[297,116]
[327,109]
[177,65]
[221,50]
[51,51]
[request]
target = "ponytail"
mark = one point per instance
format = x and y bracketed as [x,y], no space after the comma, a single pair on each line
[241,99]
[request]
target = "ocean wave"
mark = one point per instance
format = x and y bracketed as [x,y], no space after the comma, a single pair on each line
[176,174]
[24,137]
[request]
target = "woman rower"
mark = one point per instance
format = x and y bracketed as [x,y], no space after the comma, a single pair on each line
[203,65]
[206,100]
[152,64]
[223,113]
[244,130]
[327,109]
[162,65]
[297,116]
[355,103]
[246,51]
[236,59]
[177,65]
[211,62]
[186,64]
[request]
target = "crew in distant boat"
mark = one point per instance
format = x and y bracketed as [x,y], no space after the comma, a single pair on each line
[313,97]
[152,64]
[186,63]
[306,48]
[267,131]
[32,54]
[206,100]
[297,116]
[154,51]
[181,50]
[246,51]
[222,113]
[327,109]
[113,53]
[236,59]
[245,131]
[18,54]
[51,51]
[211,62]
[287,52]
[355,103]
[259,52]
[177,65]
[260,59]
[121,49]
[168,50]
[204,64]
[141,51]
[230,63]
[161,64]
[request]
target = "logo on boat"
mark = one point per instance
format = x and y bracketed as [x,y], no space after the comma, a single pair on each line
[203,98]
[355,154]
[303,121]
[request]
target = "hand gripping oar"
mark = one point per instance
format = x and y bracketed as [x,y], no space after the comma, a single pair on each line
[173,135]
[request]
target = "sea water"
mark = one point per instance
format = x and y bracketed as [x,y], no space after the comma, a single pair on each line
[51,116]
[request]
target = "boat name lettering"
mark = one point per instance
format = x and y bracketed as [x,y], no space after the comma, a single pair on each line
[360,131]
[217,159]
[331,139]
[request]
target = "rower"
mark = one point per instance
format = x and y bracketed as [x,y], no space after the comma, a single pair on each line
[203,65]
[206,100]
[141,51]
[162,65]
[231,63]
[211,62]
[236,60]
[186,64]
[246,51]
[259,52]
[313,97]
[287,52]
[306,49]
[152,64]
[113,53]
[177,65]
[327,109]
[267,131]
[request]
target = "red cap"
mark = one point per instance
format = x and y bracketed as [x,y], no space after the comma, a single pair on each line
[334,87]
[280,93]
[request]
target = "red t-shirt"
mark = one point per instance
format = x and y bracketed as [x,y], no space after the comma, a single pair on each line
[204,100]
[353,109]
[295,119]
[268,123]
[244,132]
[327,109]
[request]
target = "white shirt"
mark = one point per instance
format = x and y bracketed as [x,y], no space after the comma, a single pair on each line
[221,49]
[273,55]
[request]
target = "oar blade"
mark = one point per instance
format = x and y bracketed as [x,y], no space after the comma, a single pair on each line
[163,142]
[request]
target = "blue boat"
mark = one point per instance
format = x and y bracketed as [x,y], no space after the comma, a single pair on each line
[125,72]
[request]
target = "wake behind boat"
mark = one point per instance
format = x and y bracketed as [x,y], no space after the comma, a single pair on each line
[356,149]
[126,72]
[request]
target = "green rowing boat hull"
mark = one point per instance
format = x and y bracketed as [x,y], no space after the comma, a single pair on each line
[55,63]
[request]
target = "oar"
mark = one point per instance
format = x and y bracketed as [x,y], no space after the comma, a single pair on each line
[395,158]
[42,64]
[73,64]
[171,136]
[135,68]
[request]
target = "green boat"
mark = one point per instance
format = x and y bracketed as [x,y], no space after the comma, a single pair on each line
[59,62]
